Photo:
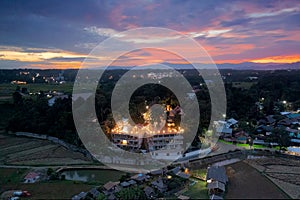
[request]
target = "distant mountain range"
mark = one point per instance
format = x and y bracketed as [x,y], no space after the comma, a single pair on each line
[239,66]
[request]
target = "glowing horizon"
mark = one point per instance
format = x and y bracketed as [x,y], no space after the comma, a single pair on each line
[43,35]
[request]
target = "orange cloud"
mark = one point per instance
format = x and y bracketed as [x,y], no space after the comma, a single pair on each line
[56,65]
[278,59]
[36,56]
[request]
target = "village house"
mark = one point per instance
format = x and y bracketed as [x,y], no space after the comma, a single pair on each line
[149,192]
[183,197]
[129,183]
[216,173]
[216,179]
[31,177]
[157,172]
[159,185]
[242,137]
[51,101]
[139,177]
[212,197]
[79,196]
[94,193]
[216,187]
[110,187]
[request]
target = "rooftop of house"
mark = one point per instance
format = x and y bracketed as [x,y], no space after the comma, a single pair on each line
[31,175]
[217,173]
[156,172]
[139,177]
[215,197]
[216,185]
[159,183]
[148,191]
[183,175]
[109,185]
[183,197]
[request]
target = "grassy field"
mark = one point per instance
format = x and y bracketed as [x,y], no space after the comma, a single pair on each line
[11,179]
[199,174]
[246,146]
[7,89]
[50,190]
[11,176]
[36,152]
[197,191]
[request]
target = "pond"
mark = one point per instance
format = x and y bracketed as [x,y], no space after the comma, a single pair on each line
[92,175]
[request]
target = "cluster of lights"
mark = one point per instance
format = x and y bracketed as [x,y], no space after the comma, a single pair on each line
[147,129]
[122,128]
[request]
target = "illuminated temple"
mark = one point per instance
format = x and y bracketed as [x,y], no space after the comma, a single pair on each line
[162,138]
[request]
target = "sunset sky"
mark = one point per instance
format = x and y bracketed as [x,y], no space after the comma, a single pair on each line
[61,33]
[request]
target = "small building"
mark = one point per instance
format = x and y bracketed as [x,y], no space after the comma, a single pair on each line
[215,197]
[94,192]
[176,170]
[183,197]
[149,192]
[132,182]
[159,185]
[242,137]
[183,175]
[51,101]
[270,120]
[260,142]
[31,177]
[111,197]
[216,173]
[79,196]
[231,122]
[110,187]
[125,184]
[139,177]
[157,172]
[216,187]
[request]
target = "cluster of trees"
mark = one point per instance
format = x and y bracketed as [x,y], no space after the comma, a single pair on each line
[34,114]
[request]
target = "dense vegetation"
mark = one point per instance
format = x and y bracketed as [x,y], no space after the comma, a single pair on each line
[272,88]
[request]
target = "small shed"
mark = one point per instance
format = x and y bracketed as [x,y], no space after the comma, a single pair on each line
[216,187]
